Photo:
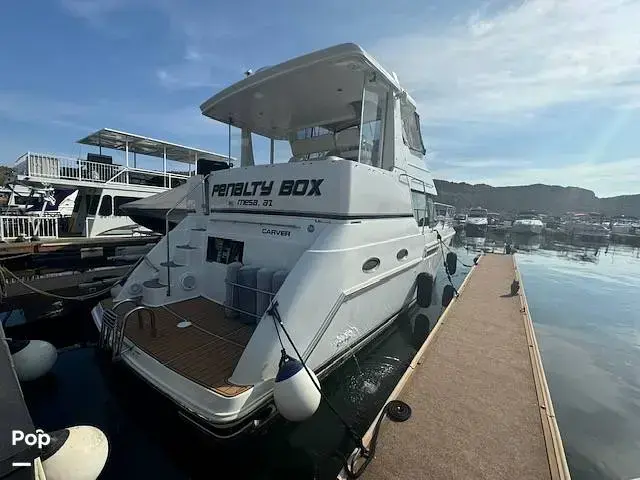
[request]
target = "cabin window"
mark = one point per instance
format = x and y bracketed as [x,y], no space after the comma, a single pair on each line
[419,205]
[411,128]
[92,204]
[374,111]
[423,208]
[119,202]
[106,207]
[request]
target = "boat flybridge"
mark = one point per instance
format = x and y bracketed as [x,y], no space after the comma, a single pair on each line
[315,254]
[96,188]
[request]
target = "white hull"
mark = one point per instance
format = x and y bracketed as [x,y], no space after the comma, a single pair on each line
[348,309]
[533,227]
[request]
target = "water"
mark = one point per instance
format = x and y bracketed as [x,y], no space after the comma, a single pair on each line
[584,305]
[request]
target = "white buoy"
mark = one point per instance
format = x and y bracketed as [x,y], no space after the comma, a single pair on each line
[115,290]
[32,358]
[75,453]
[294,393]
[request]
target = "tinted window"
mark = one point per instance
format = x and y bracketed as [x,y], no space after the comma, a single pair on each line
[411,128]
[106,207]
[92,204]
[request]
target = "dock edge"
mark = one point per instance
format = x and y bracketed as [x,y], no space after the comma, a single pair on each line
[553,441]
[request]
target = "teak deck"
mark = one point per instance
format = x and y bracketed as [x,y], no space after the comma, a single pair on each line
[205,352]
[481,406]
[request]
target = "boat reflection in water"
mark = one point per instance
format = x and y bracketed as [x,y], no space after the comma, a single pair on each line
[574,249]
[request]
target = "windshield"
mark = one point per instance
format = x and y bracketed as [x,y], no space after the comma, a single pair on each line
[477,214]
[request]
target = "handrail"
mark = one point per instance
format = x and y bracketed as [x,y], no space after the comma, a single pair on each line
[72,168]
[118,336]
[166,227]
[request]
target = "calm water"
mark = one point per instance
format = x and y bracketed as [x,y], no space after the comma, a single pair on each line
[584,303]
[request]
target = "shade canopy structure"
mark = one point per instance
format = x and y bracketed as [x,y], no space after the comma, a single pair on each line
[130,142]
[323,88]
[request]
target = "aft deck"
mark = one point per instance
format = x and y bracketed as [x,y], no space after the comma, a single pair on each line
[206,352]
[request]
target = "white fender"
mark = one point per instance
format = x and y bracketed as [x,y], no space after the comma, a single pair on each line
[75,453]
[294,393]
[32,359]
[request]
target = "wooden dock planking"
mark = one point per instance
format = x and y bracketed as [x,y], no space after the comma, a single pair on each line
[206,352]
[72,243]
[481,406]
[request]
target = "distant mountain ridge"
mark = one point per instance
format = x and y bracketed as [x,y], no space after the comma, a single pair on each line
[550,199]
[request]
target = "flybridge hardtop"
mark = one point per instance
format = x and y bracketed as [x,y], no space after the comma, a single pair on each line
[133,143]
[321,84]
[315,253]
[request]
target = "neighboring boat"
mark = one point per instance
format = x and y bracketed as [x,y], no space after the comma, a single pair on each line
[625,225]
[459,221]
[315,254]
[477,221]
[527,223]
[171,207]
[95,189]
[584,226]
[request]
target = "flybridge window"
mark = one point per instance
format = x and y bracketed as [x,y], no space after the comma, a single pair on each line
[411,128]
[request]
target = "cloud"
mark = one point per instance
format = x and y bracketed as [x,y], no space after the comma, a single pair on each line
[606,179]
[94,12]
[514,62]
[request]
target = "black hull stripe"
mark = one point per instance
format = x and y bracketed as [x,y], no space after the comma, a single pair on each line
[331,216]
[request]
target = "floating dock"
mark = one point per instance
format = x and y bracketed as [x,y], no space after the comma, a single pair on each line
[480,403]
[73,244]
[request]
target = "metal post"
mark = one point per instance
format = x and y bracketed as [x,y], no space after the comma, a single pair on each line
[164,164]
[126,156]
[134,160]
[229,139]
[272,151]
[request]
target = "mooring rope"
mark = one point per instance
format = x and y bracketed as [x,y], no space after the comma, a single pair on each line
[4,272]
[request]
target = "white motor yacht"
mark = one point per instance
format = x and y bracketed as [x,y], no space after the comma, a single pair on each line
[527,223]
[96,188]
[316,253]
[477,222]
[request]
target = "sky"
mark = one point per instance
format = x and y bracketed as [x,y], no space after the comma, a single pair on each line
[509,93]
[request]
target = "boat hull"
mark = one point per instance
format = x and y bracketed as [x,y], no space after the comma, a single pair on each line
[475,229]
[527,228]
[231,417]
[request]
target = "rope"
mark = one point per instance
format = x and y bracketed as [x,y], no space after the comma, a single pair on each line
[457,257]
[13,257]
[446,268]
[3,285]
[275,314]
